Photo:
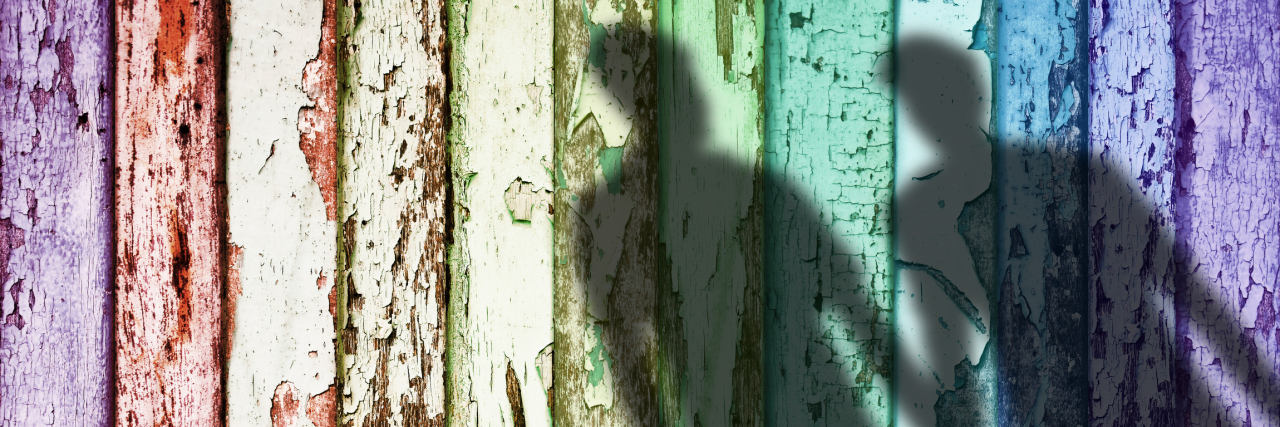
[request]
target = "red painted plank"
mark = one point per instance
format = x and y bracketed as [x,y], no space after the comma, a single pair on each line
[55,213]
[169,192]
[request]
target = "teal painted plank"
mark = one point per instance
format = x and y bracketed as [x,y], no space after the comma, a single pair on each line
[828,183]
[944,216]
[1041,168]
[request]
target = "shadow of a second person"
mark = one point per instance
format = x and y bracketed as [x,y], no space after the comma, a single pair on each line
[808,330]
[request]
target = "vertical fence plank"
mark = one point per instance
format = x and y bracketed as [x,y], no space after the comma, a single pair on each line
[711,123]
[282,243]
[1131,145]
[168,190]
[393,182]
[605,214]
[1041,170]
[55,213]
[1227,368]
[946,351]
[828,185]
[500,308]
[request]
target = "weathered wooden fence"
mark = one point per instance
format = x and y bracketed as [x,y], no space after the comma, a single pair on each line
[589,212]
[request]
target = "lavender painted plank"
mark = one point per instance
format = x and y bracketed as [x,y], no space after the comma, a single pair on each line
[169,193]
[1131,213]
[55,213]
[1227,188]
[1041,171]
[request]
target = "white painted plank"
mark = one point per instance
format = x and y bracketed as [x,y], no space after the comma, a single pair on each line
[282,233]
[500,303]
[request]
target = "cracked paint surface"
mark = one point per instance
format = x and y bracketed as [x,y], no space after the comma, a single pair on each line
[393,194]
[828,186]
[1131,170]
[605,211]
[1041,173]
[711,68]
[280,153]
[56,355]
[500,308]
[944,326]
[169,189]
[1227,367]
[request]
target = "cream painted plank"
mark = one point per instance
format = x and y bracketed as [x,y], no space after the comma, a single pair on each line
[500,318]
[393,167]
[281,224]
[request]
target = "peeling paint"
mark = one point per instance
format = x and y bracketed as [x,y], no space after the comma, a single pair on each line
[1131,222]
[169,193]
[280,213]
[523,199]
[56,128]
[828,260]
[605,211]
[394,201]
[1041,175]
[500,318]
[711,133]
[1227,355]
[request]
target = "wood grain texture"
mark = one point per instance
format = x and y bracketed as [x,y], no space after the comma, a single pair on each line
[56,356]
[1041,171]
[169,191]
[828,186]
[1131,169]
[1227,368]
[500,319]
[606,265]
[281,98]
[711,119]
[393,183]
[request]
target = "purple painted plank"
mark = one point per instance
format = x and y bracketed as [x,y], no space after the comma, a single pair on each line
[55,217]
[1131,212]
[1227,188]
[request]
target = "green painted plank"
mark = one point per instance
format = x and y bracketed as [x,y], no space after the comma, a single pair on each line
[711,92]
[828,189]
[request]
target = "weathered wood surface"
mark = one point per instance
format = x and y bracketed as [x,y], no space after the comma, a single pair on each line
[1041,171]
[828,186]
[394,212]
[946,333]
[55,213]
[711,67]
[281,213]
[169,191]
[1131,170]
[500,307]
[1227,370]
[606,265]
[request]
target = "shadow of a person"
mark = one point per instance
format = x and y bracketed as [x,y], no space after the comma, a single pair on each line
[817,308]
